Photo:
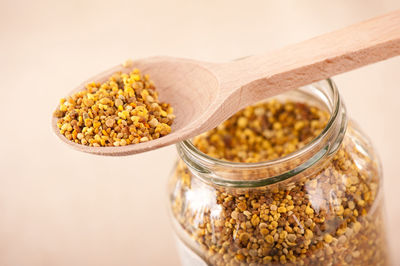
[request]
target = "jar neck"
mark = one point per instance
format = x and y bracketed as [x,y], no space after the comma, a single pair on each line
[324,95]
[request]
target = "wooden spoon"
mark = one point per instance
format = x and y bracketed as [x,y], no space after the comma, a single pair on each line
[205,94]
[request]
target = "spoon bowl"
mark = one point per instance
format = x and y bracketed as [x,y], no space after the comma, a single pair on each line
[189,87]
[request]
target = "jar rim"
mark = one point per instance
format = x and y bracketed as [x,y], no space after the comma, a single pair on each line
[188,147]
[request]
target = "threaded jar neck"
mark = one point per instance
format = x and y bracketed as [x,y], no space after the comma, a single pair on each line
[323,94]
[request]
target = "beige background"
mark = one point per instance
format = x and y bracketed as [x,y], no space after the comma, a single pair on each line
[60,207]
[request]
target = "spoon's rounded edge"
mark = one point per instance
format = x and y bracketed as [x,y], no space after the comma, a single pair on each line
[121,150]
[130,149]
[107,151]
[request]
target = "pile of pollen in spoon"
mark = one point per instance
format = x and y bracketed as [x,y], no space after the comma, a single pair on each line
[121,111]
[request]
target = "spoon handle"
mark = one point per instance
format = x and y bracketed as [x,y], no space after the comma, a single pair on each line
[258,77]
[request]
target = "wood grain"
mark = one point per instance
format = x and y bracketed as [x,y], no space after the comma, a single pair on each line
[205,94]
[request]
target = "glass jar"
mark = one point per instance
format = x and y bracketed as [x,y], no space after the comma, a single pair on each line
[320,205]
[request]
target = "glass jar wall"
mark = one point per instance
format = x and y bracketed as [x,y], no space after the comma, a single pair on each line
[319,205]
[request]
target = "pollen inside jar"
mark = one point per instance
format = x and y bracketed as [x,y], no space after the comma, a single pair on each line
[121,111]
[263,132]
[327,214]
